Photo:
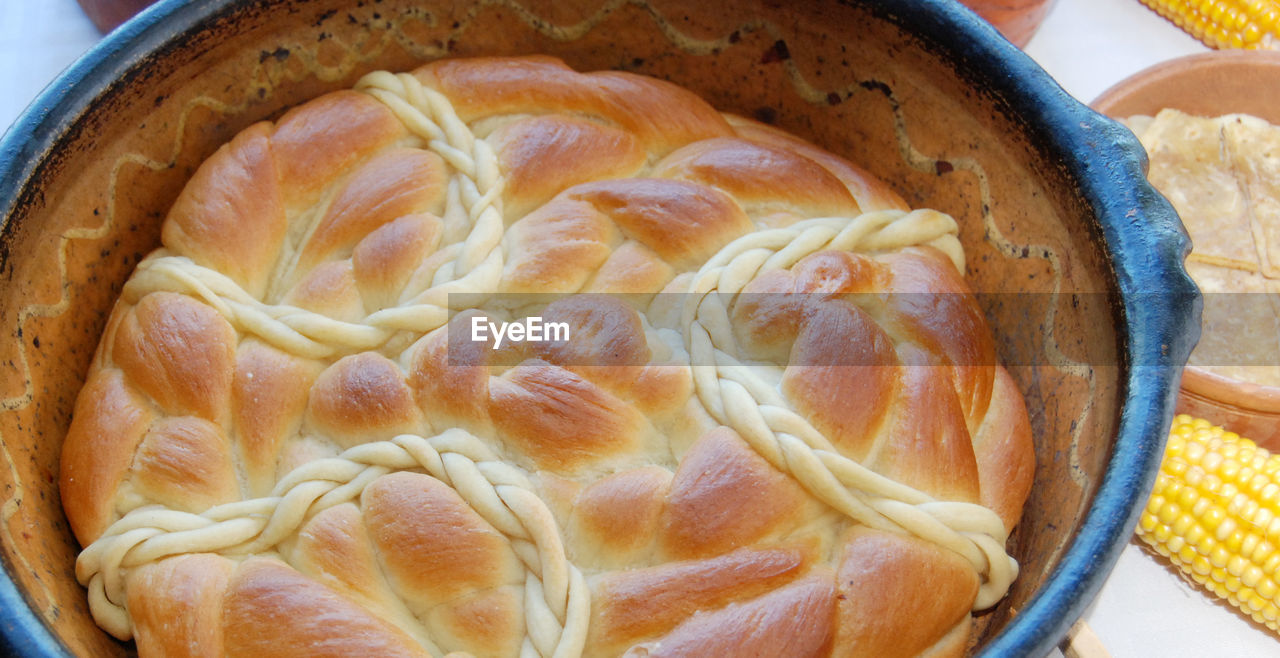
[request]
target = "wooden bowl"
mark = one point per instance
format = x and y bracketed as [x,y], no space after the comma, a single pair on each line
[1049,195]
[1212,84]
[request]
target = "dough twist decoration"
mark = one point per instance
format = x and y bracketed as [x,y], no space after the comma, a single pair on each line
[557,600]
[735,395]
[295,330]
[477,264]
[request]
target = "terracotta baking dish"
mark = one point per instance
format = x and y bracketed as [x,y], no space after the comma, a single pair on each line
[1212,84]
[1062,232]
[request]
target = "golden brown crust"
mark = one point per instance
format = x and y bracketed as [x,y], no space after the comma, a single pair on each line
[633,605]
[725,495]
[177,605]
[385,259]
[270,609]
[793,620]
[179,352]
[231,216]
[362,397]
[330,290]
[434,546]
[558,418]
[1006,460]
[451,382]
[661,115]
[185,462]
[619,515]
[334,548]
[486,622]
[687,474]
[392,184]
[269,394]
[110,421]
[849,406]
[929,451]
[545,155]
[557,247]
[683,223]
[761,177]
[884,579]
[321,140]
[933,305]
[632,268]
[870,192]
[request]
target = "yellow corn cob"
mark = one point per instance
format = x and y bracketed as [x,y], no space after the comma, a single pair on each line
[1215,513]
[1224,23]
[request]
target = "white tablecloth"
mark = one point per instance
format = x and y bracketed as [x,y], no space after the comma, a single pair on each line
[1087,45]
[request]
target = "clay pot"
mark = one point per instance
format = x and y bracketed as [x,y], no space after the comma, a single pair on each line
[1050,197]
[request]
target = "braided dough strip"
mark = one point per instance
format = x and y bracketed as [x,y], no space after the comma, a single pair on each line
[557,599]
[292,329]
[429,114]
[314,335]
[735,395]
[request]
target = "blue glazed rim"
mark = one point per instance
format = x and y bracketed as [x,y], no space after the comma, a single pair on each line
[1144,238]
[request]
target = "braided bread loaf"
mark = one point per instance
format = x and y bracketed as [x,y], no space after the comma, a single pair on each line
[285,447]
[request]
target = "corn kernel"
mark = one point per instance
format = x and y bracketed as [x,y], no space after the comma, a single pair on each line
[1258,516]
[1218,556]
[1234,542]
[1183,525]
[1251,576]
[1186,497]
[1273,528]
[1260,553]
[1225,528]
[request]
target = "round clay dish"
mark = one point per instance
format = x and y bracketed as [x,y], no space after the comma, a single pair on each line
[934,101]
[1212,84]
[1205,84]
